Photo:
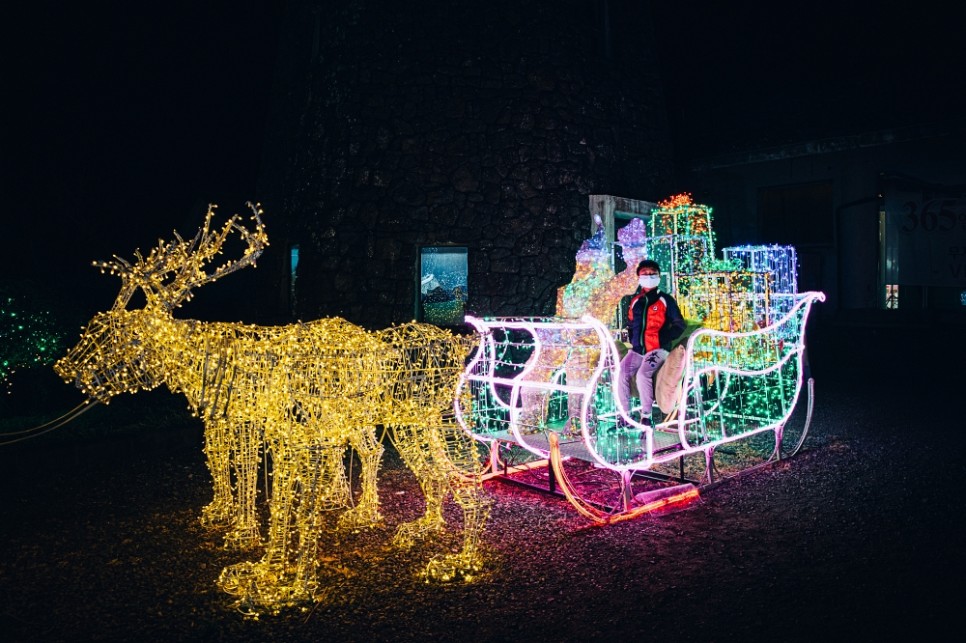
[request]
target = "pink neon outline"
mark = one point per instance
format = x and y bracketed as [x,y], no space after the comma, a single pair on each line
[609,349]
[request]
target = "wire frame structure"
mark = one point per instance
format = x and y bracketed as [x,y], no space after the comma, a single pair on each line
[726,300]
[681,239]
[549,385]
[678,256]
[291,399]
[516,390]
[680,216]
[738,383]
[531,374]
[779,262]
[416,406]
[596,289]
[516,386]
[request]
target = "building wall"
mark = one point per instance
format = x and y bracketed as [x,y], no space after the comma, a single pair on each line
[400,124]
[847,265]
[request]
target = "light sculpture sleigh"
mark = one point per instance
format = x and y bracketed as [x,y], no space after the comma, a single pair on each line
[548,386]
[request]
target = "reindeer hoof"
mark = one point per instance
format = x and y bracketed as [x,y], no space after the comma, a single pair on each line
[454,568]
[240,579]
[408,533]
[215,515]
[359,518]
[262,587]
[242,539]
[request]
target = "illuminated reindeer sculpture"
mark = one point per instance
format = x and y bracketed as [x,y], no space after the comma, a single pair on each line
[418,372]
[417,407]
[297,395]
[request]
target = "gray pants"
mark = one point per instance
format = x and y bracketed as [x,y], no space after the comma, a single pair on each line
[642,369]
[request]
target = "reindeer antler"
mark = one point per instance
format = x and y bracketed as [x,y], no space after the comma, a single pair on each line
[174,268]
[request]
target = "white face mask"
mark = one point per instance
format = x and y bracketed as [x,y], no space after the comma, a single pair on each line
[649,281]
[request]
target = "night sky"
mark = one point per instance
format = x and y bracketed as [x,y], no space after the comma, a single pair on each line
[128,118]
[744,73]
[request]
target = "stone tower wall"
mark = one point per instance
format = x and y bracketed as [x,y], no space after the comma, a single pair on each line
[484,124]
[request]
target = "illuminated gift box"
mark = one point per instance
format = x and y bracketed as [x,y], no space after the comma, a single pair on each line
[681,240]
[732,301]
[679,216]
[678,255]
[780,262]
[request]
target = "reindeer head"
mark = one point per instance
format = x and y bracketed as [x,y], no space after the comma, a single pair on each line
[119,348]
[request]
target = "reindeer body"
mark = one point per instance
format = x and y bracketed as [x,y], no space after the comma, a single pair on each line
[266,392]
[296,395]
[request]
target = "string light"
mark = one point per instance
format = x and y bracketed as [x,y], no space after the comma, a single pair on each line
[290,398]
[680,241]
[295,397]
[595,289]
[726,300]
[29,337]
[780,263]
[542,382]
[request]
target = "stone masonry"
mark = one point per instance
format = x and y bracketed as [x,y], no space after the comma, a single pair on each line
[400,124]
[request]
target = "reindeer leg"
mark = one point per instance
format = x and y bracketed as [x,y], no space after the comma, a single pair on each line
[252,581]
[304,478]
[218,453]
[414,450]
[366,512]
[268,582]
[469,561]
[244,533]
[458,459]
[323,472]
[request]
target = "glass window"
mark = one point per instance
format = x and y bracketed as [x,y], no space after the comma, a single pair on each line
[292,276]
[443,291]
[892,296]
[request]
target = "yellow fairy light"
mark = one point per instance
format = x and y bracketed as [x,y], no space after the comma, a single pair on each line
[293,397]
[418,407]
[731,301]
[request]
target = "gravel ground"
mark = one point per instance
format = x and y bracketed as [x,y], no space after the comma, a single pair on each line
[858,537]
